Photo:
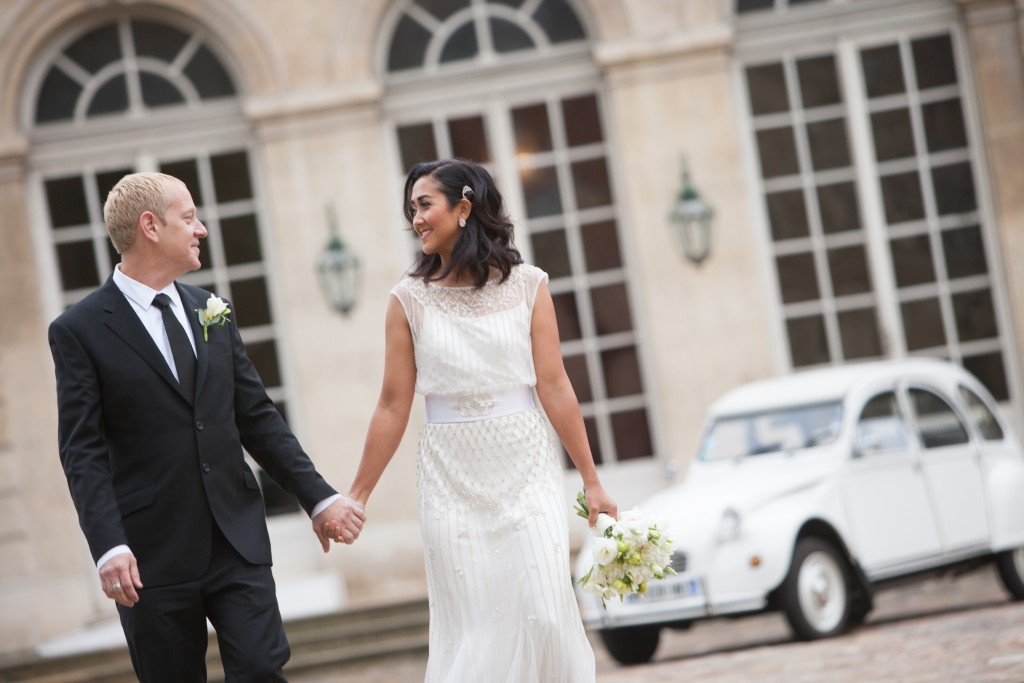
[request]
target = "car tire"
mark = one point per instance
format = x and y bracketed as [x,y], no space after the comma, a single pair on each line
[631,644]
[815,595]
[1011,570]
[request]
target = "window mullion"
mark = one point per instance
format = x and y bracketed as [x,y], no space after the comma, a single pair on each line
[136,108]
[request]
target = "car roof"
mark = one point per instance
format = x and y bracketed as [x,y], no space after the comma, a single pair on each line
[823,385]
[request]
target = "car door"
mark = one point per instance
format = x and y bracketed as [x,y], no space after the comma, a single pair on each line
[884,493]
[952,465]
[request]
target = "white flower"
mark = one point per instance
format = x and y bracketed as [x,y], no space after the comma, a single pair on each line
[605,550]
[604,520]
[215,313]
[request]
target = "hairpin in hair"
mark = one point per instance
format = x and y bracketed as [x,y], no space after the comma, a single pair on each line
[467,190]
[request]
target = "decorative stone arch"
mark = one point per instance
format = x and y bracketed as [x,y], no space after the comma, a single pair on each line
[247,49]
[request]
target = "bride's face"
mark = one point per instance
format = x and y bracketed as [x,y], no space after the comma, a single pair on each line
[434,220]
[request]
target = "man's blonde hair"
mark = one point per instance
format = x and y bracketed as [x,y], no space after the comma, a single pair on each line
[129,198]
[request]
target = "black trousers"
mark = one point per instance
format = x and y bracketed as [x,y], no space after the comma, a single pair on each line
[166,629]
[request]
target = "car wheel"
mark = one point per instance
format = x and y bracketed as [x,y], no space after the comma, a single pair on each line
[1011,571]
[631,644]
[814,595]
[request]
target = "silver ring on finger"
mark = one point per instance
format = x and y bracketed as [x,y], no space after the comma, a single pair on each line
[115,587]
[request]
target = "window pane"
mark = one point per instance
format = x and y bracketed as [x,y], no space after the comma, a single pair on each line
[559,21]
[551,253]
[881,427]
[461,45]
[912,260]
[954,188]
[893,134]
[508,37]
[65,198]
[208,75]
[632,434]
[187,171]
[901,194]
[582,121]
[601,246]
[77,263]
[249,302]
[819,84]
[944,125]
[469,141]
[787,214]
[157,40]
[621,372]
[777,151]
[540,189]
[883,73]
[989,369]
[231,177]
[922,324]
[975,315]
[264,356]
[111,97]
[807,342]
[797,279]
[858,331]
[981,417]
[965,252]
[593,187]
[753,5]
[767,87]
[576,369]
[96,49]
[611,309]
[933,62]
[568,316]
[205,256]
[158,91]
[416,144]
[106,180]
[408,46]
[594,439]
[838,206]
[849,269]
[827,140]
[442,9]
[57,97]
[241,240]
[533,134]
[937,424]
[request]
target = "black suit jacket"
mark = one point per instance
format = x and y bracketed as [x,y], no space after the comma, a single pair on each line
[147,467]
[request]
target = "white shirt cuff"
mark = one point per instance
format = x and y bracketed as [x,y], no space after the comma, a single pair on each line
[116,550]
[324,504]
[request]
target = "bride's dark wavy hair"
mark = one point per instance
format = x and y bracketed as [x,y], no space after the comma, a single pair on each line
[486,241]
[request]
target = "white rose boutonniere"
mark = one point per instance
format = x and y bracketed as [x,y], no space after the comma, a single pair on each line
[215,313]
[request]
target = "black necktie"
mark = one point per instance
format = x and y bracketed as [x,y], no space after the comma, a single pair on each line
[181,347]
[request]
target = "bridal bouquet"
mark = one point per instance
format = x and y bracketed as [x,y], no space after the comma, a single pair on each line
[630,552]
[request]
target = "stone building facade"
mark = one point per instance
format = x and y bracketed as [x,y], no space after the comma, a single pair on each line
[861,158]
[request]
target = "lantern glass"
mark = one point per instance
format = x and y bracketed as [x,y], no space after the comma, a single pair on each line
[339,272]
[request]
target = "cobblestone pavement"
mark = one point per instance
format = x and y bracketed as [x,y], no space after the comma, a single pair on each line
[940,631]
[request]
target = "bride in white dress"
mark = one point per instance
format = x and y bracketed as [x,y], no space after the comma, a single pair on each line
[473,329]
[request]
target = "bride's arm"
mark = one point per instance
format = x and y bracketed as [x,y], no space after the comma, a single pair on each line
[560,403]
[392,412]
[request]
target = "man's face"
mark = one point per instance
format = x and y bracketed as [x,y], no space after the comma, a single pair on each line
[181,230]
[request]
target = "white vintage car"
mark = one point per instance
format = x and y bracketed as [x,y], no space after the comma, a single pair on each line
[813,490]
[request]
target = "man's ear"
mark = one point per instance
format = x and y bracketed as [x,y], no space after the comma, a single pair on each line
[148,227]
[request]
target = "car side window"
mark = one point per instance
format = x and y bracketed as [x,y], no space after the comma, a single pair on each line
[881,426]
[937,424]
[981,416]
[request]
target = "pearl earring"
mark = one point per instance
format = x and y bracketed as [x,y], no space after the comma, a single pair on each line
[462,222]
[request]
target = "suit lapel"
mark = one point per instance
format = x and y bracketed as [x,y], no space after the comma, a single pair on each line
[202,348]
[122,319]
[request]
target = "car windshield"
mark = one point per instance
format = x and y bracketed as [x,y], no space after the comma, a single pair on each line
[771,431]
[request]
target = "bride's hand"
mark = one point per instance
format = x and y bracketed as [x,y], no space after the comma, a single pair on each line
[599,501]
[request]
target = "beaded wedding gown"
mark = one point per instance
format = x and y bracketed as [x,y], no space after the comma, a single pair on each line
[492,504]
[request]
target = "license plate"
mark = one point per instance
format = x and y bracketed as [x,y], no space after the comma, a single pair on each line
[674,590]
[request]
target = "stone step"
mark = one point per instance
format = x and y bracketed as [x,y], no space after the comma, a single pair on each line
[320,641]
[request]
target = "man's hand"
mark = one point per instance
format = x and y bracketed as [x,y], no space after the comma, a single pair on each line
[119,577]
[340,522]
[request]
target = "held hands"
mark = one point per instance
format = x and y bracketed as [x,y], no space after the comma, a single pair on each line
[119,577]
[340,522]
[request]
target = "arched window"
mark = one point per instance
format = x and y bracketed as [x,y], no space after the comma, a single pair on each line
[511,84]
[136,94]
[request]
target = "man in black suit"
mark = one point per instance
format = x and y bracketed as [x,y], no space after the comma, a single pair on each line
[154,411]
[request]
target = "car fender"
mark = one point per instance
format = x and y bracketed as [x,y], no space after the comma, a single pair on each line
[1005,484]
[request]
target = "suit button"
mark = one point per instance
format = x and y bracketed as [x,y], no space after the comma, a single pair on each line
[206,467]
[199,425]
